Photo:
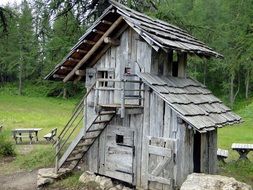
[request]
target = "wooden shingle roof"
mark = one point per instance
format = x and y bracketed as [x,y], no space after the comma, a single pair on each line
[116,18]
[192,101]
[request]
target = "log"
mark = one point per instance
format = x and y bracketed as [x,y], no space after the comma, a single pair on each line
[66,68]
[106,22]
[89,42]
[81,51]
[73,60]
[80,72]
[59,76]
[93,49]
[111,41]
[98,31]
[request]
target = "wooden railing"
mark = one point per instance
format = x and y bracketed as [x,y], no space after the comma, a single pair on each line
[69,129]
[122,87]
[77,117]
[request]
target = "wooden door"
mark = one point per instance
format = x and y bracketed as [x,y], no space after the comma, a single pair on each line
[119,154]
[160,173]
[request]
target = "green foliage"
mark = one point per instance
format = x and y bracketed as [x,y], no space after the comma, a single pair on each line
[41,88]
[7,147]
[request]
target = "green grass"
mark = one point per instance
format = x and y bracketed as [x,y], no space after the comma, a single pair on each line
[70,182]
[33,112]
[47,113]
[241,133]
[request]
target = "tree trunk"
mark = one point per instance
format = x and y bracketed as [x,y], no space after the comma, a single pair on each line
[247,84]
[20,86]
[205,71]
[231,94]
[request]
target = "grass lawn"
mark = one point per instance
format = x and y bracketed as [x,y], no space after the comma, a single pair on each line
[32,112]
[241,133]
[48,113]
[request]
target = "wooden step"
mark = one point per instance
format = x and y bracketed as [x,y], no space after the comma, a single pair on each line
[84,149]
[86,142]
[107,113]
[73,164]
[96,128]
[77,157]
[101,121]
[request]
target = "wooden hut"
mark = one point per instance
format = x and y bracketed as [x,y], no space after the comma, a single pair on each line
[145,121]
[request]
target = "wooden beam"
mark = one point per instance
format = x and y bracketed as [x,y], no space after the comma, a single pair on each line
[106,22]
[98,31]
[112,42]
[59,76]
[66,68]
[102,52]
[73,60]
[182,61]
[89,42]
[80,72]
[93,49]
[81,51]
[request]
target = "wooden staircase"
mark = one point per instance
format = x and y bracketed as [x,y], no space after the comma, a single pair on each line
[69,155]
[84,140]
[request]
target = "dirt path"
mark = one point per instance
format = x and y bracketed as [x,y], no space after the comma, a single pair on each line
[19,181]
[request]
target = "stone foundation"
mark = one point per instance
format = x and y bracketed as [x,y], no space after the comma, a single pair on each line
[103,183]
[48,176]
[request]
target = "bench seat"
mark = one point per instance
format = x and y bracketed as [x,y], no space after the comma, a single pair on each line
[50,136]
[222,153]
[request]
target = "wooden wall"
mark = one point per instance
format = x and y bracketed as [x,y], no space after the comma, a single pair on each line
[161,121]
[158,121]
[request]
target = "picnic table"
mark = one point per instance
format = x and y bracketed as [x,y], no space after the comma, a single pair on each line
[222,154]
[242,149]
[25,133]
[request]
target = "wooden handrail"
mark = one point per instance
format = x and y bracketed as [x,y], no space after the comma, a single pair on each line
[79,106]
[76,113]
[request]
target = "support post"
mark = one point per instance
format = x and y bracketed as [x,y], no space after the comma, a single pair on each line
[96,95]
[122,111]
[57,155]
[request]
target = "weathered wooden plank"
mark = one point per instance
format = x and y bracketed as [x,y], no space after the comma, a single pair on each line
[160,151]
[119,175]
[159,168]
[146,126]
[159,179]
[154,160]
[213,152]
[204,153]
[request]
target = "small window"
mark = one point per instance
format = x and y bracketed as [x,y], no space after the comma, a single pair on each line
[119,139]
[127,70]
[103,75]
[175,69]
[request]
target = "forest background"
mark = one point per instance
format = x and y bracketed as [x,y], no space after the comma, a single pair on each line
[36,35]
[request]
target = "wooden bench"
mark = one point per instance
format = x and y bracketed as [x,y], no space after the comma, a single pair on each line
[242,149]
[50,136]
[222,154]
[19,134]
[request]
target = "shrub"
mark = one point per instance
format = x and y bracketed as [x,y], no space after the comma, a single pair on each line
[6,147]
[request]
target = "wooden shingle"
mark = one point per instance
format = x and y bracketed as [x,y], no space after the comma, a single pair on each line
[196,104]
